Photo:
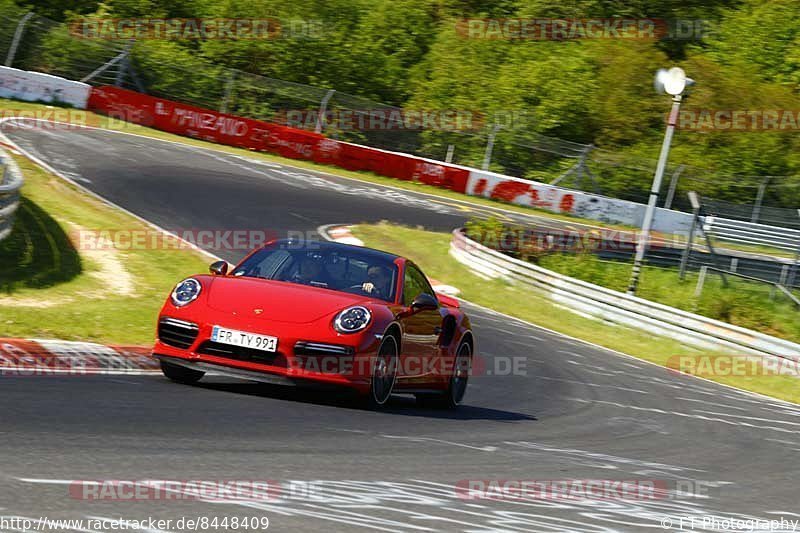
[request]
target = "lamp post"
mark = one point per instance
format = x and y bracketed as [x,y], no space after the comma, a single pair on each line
[673,82]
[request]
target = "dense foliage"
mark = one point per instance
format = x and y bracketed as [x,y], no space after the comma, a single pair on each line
[410,53]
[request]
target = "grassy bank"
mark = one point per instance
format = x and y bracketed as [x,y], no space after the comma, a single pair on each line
[430,251]
[743,303]
[50,288]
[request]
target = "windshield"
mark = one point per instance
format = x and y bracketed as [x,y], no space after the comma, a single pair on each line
[345,270]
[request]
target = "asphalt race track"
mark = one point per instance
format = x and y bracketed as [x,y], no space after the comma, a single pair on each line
[572,412]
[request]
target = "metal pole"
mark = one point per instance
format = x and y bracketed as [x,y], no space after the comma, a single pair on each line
[223,108]
[759,199]
[12,51]
[323,108]
[707,232]
[450,151]
[688,250]
[673,185]
[123,66]
[102,68]
[701,280]
[487,156]
[644,237]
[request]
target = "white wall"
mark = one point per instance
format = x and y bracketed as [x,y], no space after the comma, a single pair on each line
[579,203]
[38,87]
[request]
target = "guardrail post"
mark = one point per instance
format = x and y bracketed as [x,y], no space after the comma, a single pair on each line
[323,108]
[696,206]
[487,156]
[450,151]
[701,280]
[223,107]
[123,65]
[706,230]
[673,185]
[12,50]
[781,281]
[689,244]
[762,188]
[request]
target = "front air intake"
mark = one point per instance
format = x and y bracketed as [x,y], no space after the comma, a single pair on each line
[177,333]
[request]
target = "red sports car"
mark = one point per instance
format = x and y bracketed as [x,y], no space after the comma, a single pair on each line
[319,314]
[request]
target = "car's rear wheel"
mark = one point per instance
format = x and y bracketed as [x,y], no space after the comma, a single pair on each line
[181,374]
[384,373]
[457,386]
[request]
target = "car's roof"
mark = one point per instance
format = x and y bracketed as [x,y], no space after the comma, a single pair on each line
[334,246]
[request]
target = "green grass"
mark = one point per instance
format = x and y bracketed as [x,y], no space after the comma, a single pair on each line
[743,303]
[49,289]
[430,251]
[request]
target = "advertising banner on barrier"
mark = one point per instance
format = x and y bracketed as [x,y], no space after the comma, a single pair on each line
[571,202]
[252,134]
[199,123]
[392,164]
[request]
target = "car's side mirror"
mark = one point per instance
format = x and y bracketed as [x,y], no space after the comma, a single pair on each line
[424,302]
[219,268]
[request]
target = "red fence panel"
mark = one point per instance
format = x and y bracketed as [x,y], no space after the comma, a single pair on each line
[222,128]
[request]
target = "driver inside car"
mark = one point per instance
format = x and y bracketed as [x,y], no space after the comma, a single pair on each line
[378,282]
[311,271]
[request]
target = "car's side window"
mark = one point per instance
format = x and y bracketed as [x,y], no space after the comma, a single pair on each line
[414,284]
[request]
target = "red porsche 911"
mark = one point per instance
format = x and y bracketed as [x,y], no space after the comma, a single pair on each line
[321,314]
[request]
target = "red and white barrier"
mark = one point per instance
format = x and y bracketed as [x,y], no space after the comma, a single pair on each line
[294,143]
[29,357]
[231,130]
[222,128]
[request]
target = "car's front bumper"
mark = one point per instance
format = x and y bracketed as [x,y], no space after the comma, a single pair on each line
[291,365]
[240,373]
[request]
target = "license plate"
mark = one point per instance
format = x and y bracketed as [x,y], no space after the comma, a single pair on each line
[244,339]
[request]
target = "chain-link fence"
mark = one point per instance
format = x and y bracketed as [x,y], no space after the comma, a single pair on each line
[503,142]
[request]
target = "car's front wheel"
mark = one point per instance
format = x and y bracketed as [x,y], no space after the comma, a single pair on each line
[384,373]
[181,374]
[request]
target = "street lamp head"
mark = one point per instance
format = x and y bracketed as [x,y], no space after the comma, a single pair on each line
[672,81]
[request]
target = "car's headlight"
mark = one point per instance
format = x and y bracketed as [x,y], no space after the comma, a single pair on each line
[186,292]
[352,319]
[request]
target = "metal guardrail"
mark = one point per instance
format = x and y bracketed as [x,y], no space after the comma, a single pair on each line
[739,231]
[10,184]
[667,253]
[620,308]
